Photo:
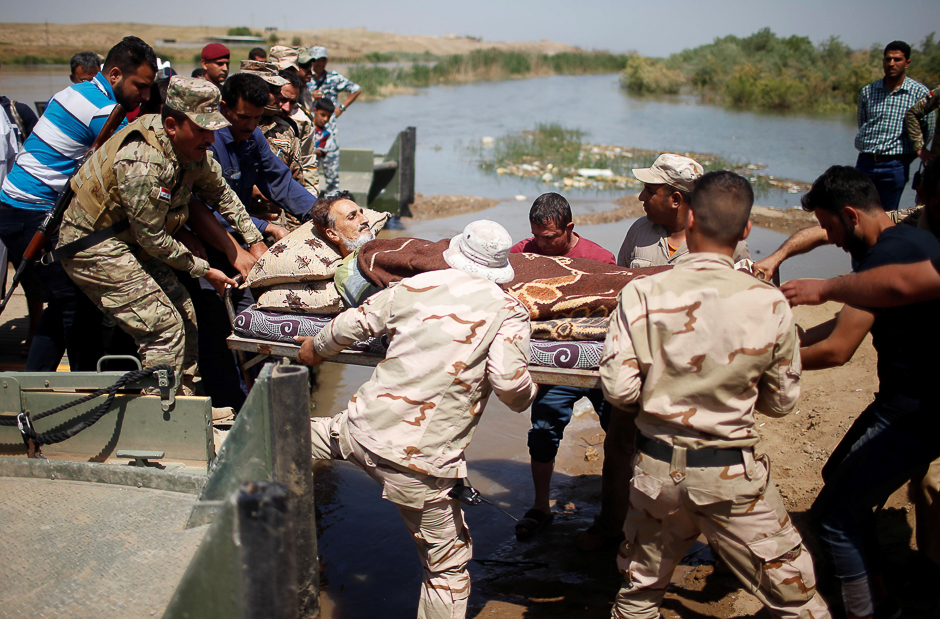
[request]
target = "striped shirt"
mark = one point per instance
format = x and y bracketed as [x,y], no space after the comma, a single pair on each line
[63,135]
[881,117]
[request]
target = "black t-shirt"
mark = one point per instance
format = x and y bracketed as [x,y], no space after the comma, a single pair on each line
[907,338]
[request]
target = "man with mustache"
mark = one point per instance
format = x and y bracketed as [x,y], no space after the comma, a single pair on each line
[145,176]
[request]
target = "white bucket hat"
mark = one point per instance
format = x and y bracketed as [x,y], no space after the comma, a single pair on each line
[668,169]
[482,249]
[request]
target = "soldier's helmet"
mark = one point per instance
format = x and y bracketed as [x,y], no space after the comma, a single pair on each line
[198,99]
[482,249]
[265,70]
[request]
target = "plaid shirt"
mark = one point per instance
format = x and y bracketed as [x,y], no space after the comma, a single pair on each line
[881,117]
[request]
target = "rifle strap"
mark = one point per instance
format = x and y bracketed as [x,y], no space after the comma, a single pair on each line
[86,242]
[19,122]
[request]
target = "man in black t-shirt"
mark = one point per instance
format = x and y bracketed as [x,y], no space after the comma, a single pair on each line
[890,440]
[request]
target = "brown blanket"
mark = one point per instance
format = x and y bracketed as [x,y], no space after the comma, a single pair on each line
[550,287]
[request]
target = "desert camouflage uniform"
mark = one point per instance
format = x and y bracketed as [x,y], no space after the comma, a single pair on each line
[454,338]
[331,84]
[138,176]
[700,347]
[309,163]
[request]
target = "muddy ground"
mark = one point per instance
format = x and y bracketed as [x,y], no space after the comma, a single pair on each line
[548,577]
[628,207]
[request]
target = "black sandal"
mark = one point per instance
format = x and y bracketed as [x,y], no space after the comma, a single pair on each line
[534,521]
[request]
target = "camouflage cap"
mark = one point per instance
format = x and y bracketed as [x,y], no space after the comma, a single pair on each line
[318,52]
[668,169]
[265,70]
[198,99]
[303,56]
[285,57]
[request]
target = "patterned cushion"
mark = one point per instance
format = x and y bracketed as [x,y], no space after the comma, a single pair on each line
[319,297]
[303,256]
[282,327]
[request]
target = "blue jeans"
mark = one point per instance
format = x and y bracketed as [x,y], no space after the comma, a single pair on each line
[890,178]
[891,440]
[551,413]
[70,321]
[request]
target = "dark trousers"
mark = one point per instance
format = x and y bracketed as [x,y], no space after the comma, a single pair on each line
[70,322]
[894,438]
[218,366]
[890,178]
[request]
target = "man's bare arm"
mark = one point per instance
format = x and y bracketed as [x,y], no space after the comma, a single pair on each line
[886,286]
[801,242]
[852,324]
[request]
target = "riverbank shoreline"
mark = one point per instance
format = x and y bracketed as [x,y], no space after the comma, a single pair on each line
[628,207]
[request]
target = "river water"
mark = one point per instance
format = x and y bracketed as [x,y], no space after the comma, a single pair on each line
[368,559]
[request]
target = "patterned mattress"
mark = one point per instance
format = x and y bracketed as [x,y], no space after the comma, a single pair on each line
[283,327]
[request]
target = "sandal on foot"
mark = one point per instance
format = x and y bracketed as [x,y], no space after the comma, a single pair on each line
[534,521]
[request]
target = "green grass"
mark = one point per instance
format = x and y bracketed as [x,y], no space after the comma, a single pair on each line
[561,152]
[485,64]
[764,71]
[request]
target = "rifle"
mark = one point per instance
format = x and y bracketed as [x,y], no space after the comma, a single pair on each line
[54,217]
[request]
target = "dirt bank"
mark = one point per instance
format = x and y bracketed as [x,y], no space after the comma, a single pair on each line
[628,207]
[40,40]
[548,577]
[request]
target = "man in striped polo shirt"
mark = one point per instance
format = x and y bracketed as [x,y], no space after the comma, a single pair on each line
[885,153]
[65,132]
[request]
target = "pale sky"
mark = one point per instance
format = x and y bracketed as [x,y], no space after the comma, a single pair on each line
[653,28]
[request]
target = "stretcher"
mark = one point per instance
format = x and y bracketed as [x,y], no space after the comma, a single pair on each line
[269,335]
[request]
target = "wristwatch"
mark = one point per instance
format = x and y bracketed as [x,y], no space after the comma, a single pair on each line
[342,107]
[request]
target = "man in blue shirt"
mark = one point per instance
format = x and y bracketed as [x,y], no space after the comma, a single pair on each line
[247,161]
[885,152]
[50,155]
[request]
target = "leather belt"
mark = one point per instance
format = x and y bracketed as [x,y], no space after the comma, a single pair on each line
[707,456]
[876,157]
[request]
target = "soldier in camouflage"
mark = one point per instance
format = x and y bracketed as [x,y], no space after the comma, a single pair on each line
[700,348]
[146,174]
[328,84]
[455,335]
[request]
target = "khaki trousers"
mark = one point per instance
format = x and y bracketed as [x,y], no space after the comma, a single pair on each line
[741,515]
[434,520]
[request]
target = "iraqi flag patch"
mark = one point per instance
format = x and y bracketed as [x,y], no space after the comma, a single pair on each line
[164,194]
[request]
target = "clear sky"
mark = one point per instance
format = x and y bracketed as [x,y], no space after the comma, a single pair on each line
[652,28]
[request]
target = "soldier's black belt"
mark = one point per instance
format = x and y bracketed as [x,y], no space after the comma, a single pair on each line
[86,242]
[707,456]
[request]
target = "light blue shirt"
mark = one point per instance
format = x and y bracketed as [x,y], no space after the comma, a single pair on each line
[63,135]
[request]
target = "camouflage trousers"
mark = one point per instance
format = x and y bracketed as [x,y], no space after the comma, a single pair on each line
[741,514]
[142,295]
[434,520]
[329,173]
[925,492]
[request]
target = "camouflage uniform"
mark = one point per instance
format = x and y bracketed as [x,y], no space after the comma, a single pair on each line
[454,338]
[912,119]
[138,175]
[700,347]
[309,163]
[284,143]
[331,84]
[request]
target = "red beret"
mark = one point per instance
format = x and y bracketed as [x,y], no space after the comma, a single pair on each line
[212,51]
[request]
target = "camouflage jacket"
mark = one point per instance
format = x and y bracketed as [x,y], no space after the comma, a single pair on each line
[912,121]
[284,142]
[331,84]
[453,339]
[699,347]
[138,175]
[309,163]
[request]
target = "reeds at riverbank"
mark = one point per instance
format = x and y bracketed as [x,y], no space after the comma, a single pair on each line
[554,155]
[480,65]
[764,71]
